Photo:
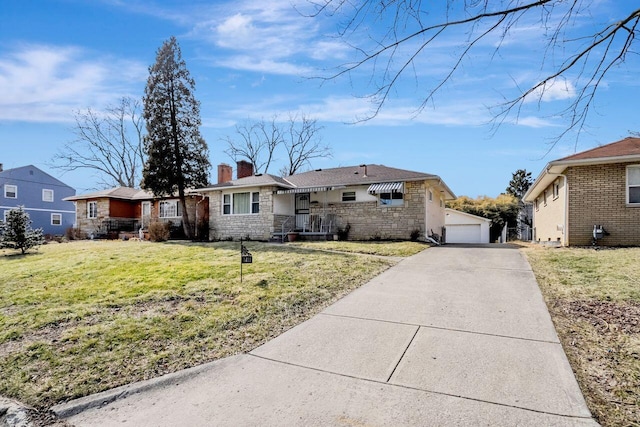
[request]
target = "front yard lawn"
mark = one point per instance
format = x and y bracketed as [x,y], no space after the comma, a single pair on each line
[594,299]
[78,318]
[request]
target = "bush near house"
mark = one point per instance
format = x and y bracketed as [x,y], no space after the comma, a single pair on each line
[594,299]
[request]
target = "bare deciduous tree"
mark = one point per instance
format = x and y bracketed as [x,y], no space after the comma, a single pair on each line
[298,139]
[302,143]
[573,54]
[108,142]
[257,143]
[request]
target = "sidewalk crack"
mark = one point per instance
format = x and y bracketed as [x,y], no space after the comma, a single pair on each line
[403,353]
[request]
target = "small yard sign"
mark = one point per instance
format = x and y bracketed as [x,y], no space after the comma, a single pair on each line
[245,257]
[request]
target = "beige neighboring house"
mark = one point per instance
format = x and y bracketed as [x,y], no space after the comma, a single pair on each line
[372,201]
[110,212]
[595,188]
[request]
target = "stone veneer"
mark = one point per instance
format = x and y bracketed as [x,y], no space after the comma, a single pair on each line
[253,226]
[368,220]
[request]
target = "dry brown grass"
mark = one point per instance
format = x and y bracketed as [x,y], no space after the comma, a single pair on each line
[594,299]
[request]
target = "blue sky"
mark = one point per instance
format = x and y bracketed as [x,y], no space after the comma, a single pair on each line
[253,59]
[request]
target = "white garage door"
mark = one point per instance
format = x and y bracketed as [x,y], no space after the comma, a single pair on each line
[464,233]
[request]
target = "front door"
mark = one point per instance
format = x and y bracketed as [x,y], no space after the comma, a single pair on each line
[302,211]
[146,214]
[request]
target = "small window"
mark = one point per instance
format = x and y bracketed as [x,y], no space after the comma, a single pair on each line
[92,209]
[537,204]
[556,189]
[56,219]
[47,195]
[226,204]
[10,191]
[544,197]
[430,196]
[5,215]
[391,199]
[633,184]
[348,196]
[255,203]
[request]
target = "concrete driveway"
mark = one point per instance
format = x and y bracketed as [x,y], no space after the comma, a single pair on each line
[452,336]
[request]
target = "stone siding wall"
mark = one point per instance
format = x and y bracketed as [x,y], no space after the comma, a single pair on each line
[368,220]
[91,225]
[597,195]
[253,226]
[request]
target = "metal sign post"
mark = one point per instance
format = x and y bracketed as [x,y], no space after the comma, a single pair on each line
[245,257]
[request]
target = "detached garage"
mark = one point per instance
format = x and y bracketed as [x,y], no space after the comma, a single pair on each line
[466,228]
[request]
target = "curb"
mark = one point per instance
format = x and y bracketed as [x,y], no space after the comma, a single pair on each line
[74,407]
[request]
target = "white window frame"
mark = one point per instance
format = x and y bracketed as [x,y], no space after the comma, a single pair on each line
[255,202]
[92,212]
[5,214]
[228,203]
[430,196]
[173,207]
[628,185]
[556,189]
[45,198]
[348,196]
[391,201]
[7,190]
[59,216]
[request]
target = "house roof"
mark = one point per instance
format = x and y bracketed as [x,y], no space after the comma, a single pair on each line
[450,211]
[123,193]
[259,180]
[336,177]
[10,173]
[626,150]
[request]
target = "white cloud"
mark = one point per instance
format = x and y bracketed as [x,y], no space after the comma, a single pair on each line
[554,90]
[47,83]
[263,65]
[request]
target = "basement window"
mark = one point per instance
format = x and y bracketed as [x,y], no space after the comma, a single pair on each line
[348,196]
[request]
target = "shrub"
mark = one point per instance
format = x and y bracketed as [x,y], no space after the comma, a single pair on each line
[159,231]
[415,234]
[343,233]
[16,231]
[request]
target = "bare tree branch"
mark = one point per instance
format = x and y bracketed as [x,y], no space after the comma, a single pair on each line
[303,143]
[109,143]
[414,31]
[255,142]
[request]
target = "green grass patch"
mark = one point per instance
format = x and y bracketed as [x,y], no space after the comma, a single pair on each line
[391,249]
[594,299]
[82,317]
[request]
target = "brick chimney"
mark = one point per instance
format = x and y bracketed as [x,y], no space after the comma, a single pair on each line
[225,173]
[245,169]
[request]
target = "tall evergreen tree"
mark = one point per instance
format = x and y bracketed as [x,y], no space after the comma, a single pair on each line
[177,156]
[520,182]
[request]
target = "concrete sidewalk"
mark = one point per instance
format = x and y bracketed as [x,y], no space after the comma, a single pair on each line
[452,336]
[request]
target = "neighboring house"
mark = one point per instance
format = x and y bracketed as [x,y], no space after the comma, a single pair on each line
[109,212]
[41,195]
[370,201]
[464,227]
[598,187]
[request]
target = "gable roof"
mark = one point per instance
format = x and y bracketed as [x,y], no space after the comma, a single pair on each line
[259,180]
[14,172]
[122,193]
[625,150]
[334,177]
